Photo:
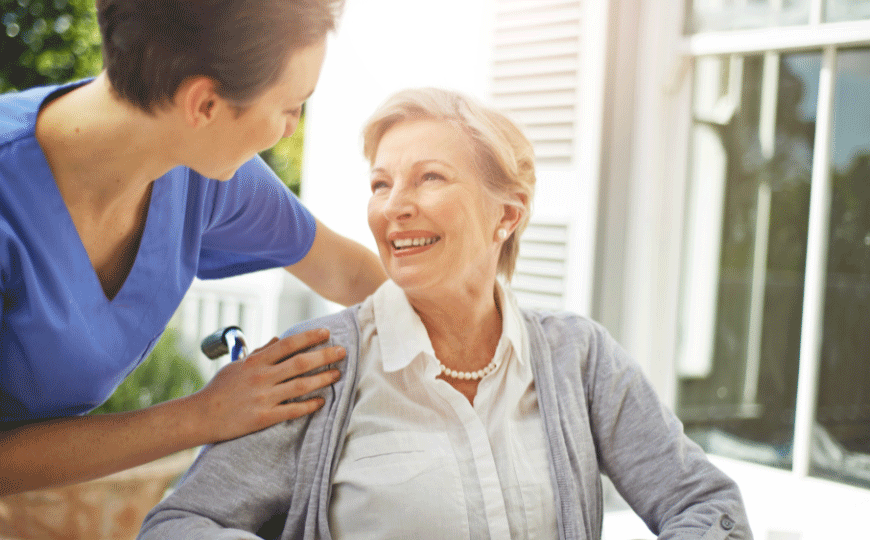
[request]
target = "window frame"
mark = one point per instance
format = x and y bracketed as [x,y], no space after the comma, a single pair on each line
[829,38]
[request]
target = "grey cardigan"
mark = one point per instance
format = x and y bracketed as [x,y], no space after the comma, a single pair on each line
[600,416]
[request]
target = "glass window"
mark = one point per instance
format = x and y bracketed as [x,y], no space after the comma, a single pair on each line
[706,15]
[847,10]
[841,442]
[750,170]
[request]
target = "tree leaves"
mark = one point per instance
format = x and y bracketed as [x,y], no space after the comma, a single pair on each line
[47,41]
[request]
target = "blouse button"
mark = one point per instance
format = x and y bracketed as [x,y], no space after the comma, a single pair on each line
[727,523]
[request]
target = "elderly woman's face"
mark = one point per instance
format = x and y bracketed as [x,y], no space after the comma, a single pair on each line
[434,224]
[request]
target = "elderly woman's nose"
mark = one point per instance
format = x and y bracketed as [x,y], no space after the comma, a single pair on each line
[401,203]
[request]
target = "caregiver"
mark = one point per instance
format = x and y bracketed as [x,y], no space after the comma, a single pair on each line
[116,192]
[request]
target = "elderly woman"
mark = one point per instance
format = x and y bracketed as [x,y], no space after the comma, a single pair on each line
[460,415]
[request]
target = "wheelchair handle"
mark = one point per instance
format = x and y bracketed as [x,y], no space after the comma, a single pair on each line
[229,339]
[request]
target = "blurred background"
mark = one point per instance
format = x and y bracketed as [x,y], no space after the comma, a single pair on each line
[704,192]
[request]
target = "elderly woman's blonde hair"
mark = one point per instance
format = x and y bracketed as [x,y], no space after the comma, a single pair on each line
[503,155]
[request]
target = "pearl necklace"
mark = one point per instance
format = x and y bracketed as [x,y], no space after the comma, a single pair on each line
[469,375]
[480,373]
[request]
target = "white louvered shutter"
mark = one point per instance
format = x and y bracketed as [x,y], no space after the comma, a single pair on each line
[536,63]
[540,276]
[536,60]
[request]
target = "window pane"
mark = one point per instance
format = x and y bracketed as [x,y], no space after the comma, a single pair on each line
[705,15]
[842,439]
[756,137]
[847,10]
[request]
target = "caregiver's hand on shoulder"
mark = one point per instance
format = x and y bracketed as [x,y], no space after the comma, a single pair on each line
[252,394]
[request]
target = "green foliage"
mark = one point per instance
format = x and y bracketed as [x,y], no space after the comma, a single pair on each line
[285,158]
[47,41]
[166,374]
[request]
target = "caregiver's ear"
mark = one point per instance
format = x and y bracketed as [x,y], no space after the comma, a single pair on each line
[199,100]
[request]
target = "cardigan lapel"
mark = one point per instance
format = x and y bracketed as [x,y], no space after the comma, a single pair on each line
[566,424]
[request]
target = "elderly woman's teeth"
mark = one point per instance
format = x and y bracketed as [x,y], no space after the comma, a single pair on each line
[413,242]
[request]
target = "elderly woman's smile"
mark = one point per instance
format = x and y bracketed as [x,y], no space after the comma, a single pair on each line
[407,241]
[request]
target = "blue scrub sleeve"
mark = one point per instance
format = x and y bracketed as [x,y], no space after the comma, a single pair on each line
[255,223]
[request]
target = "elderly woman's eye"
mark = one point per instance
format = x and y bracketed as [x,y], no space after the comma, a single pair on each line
[432,176]
[378,184]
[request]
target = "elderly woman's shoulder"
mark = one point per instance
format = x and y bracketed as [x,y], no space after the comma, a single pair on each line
[341,323]
[566,325]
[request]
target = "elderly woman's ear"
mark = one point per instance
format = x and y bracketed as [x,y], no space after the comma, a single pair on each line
[512,214]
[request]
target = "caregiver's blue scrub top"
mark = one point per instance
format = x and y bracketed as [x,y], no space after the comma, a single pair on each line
[64,347]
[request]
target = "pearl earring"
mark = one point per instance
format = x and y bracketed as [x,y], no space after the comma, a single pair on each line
[502,234]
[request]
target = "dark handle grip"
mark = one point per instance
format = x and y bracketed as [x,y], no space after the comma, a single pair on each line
[215,345]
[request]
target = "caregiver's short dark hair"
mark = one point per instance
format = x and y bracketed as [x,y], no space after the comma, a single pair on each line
[151,46]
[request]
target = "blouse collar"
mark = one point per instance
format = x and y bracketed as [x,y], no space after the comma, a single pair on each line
[403,337]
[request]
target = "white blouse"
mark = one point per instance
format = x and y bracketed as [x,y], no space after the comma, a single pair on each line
[419,460]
